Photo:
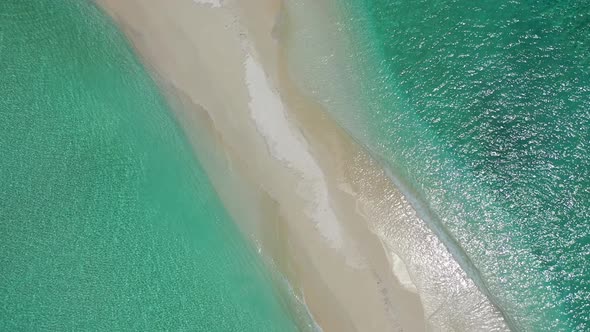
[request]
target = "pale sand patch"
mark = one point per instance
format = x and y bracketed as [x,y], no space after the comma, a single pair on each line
[288,145]
[201,55]
[212,3]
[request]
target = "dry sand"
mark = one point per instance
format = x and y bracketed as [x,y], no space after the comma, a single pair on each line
[309,198]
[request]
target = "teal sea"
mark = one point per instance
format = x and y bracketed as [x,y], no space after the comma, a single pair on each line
[480,110]
[107,221]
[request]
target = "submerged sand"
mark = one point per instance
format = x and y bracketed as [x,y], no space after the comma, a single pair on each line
[305,193]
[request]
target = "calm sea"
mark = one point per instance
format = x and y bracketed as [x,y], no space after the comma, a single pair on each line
[107,221]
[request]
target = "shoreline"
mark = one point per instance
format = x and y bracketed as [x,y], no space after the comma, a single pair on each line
[463,305]
[360,279]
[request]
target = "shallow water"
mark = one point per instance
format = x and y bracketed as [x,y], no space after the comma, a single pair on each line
[107,220]
[481,112]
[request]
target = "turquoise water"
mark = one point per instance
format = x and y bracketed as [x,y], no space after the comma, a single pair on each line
[107,221]
[481,111]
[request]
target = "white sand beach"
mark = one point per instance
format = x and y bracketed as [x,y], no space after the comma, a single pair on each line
[317,207]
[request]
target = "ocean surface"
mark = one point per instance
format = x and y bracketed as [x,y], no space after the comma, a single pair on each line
[480,110]
[107,220]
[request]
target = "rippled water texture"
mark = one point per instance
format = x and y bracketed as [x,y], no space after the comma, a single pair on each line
[481,110]
[107,222]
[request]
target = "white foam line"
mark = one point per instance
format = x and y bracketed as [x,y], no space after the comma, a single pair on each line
[289,146]
[212,3]
[401,272]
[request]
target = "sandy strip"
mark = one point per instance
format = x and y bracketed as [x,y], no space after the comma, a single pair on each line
[309,198]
